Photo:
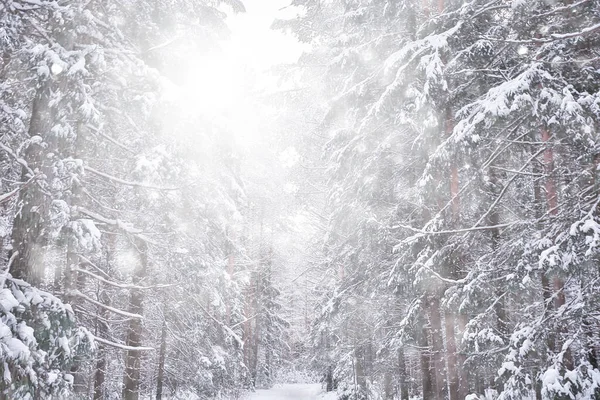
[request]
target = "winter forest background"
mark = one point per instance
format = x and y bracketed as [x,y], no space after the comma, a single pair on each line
[399,199]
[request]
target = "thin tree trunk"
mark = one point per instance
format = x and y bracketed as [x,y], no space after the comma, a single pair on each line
[437,347]
[546,294]
[100,374]
[247,332]
[457,380]
[403,375]
[500,302]
[425,358]
[101,323]
[359,370]
[161,361]
[453,379]
[557,281]
[131,378]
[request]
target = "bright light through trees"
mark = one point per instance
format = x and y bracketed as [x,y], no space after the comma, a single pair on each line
[300,199]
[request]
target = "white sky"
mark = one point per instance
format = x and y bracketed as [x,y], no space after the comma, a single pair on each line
[226,85]
[253,42]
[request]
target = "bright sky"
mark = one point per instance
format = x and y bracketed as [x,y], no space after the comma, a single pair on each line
[253,42]
[226,85]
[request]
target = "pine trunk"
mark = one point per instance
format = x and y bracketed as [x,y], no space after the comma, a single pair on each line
[556,287]
[426,370]
[28,222]
[161,361]
[131,379]
[402,375]
[453,378]
[437,348]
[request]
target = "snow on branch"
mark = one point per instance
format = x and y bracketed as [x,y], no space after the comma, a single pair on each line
[563,8]
[125,182]
[123,226]
[227,329]
[116,284]
[553,37]
[111,139]
[77,293]
[6,270]
[584,31]
[121,346]
[18,159]
[86,261]
[15,191]
[421,232]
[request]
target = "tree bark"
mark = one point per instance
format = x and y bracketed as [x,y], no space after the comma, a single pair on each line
[131,378]
[556,287]
[437,348]
[425,358]
[28,221]
[161,361]
[403,375]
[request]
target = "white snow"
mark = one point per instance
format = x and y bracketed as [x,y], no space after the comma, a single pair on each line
[293,392]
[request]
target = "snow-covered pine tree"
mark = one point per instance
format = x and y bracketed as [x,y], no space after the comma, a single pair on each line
[487,95]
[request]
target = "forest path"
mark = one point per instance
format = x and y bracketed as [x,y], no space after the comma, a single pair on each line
[291,392]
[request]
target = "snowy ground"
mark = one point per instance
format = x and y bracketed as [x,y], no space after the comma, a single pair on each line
[293,392]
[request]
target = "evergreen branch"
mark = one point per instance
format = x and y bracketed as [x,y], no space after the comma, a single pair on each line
[120,285]
[77,293]
[125,182]
[121,346]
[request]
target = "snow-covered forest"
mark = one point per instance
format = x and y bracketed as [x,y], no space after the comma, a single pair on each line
[300,199]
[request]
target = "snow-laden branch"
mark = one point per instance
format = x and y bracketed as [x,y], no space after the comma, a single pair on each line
[15,191]
[123,226]
[121,346]
[421,232]
[7,269]
[553,37]
[446,280]
[125,182]
[18,159]
[563,8]
[231,333]
[10,194]
[162,45]
[117,284]
[583,32]
[114,222]
[244,321]
[86,261]
[111,139]
[505,188]
[77,293]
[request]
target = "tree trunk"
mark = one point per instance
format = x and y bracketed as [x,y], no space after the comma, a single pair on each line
[102,324]
[403,375]
[28,221]
[557,285]
[161,361]
[131,378]
[360,376]
[437,347]
[426,372]
[100,374]
[453,378]
[247,332]
[500,304]
[457,378]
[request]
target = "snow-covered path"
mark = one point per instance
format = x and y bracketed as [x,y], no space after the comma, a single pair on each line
[292,392]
